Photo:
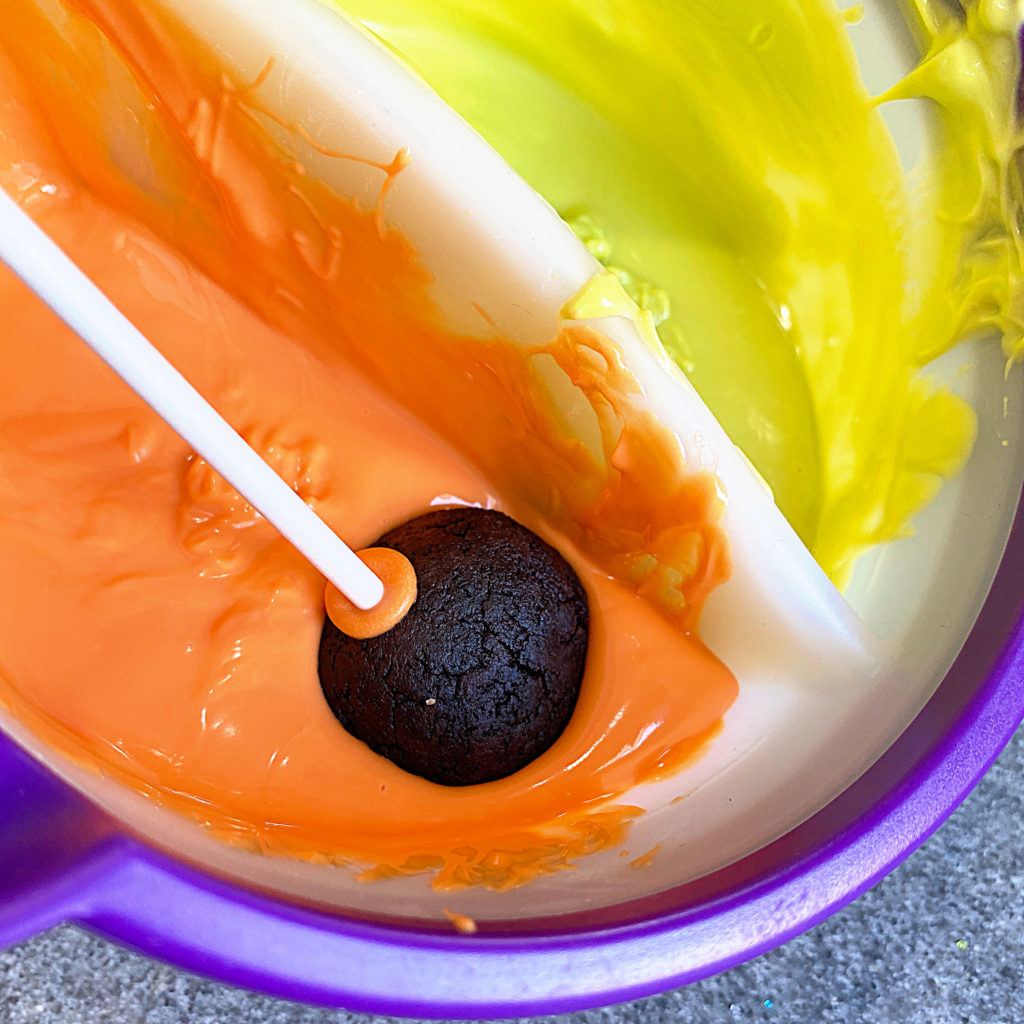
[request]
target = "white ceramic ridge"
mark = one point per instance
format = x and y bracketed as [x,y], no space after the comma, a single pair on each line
[493,244]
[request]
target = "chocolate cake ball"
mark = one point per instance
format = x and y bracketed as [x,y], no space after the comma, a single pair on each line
[482,675]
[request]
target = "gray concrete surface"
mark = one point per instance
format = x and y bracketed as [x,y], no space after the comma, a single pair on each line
[940,941]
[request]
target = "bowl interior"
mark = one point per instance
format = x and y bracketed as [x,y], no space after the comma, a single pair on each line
[787,746]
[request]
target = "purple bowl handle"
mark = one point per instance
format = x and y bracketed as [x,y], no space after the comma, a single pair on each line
[51,845]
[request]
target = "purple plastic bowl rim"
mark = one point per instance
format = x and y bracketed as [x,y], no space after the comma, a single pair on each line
[139,896]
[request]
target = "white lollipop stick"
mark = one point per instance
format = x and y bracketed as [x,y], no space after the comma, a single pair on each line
[45,268]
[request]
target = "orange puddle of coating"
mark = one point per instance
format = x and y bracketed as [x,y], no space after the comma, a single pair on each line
[153,627]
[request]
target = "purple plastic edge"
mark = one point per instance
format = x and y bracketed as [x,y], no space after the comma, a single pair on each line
[145,900]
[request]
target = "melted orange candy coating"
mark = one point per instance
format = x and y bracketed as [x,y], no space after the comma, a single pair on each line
[153,626]
[396,573]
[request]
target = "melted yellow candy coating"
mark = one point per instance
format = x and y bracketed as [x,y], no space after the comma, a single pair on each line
[725,160]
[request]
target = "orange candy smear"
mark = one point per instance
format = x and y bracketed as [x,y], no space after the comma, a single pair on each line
[395,571]
[186,667]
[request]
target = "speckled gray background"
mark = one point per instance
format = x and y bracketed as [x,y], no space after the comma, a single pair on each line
[940,941]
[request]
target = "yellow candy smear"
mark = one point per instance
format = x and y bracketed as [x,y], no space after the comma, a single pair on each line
[967,226]
[728,166]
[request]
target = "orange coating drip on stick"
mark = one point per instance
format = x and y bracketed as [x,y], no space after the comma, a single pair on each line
[395,571]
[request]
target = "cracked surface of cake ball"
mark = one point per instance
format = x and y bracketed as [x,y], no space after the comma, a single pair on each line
[482,674]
